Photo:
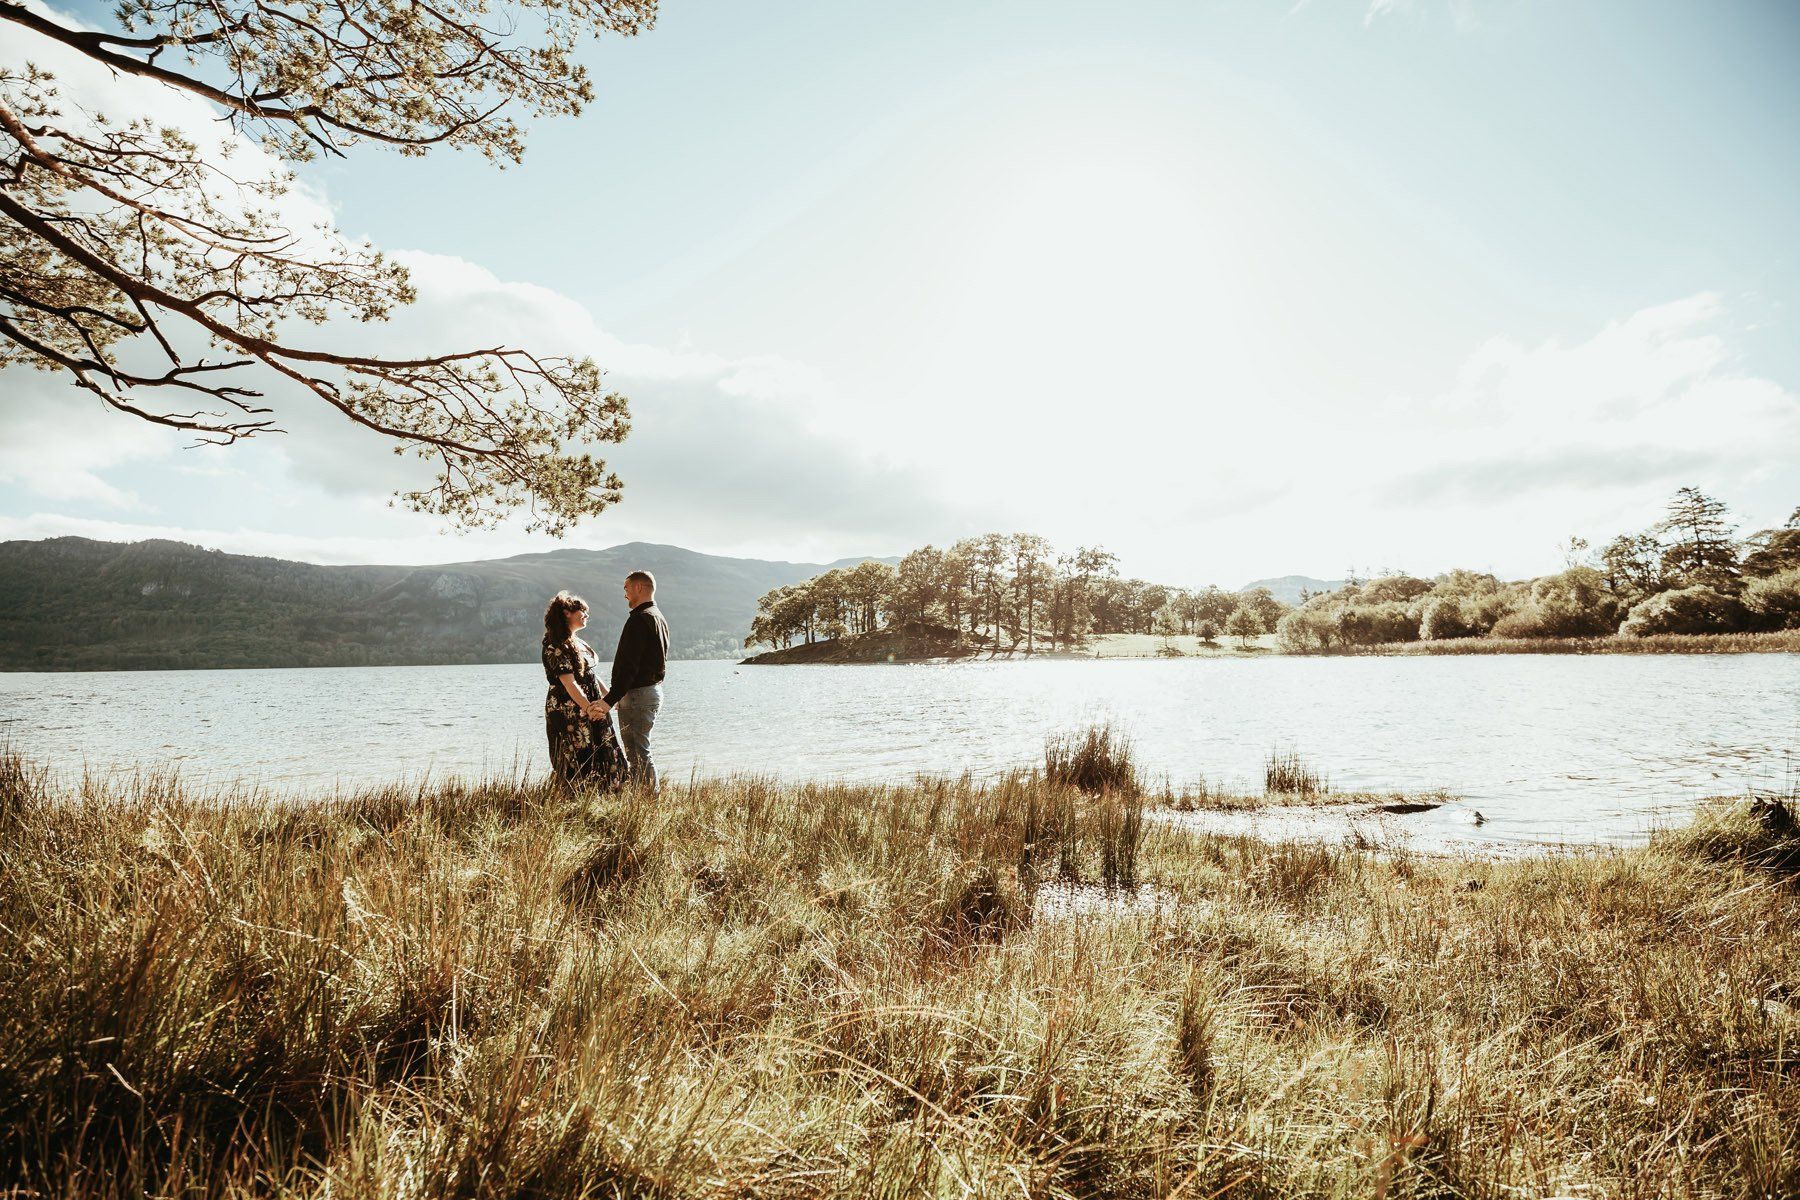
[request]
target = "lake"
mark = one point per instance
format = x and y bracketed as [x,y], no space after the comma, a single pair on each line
[1550,749]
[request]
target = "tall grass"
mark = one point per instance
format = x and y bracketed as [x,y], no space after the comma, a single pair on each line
[740,989]
[1285,773]
[1092,760]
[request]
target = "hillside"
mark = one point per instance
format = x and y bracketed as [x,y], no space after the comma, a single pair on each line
[78,604]
[1292,589]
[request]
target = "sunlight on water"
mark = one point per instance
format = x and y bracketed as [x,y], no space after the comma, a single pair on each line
[1549,748]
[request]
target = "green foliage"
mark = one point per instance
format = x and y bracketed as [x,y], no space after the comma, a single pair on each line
[1698,609]
[1774,602]
[1772,551]
[1446,617]
[1573,603]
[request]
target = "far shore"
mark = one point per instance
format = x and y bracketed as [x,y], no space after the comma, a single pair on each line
[910,645]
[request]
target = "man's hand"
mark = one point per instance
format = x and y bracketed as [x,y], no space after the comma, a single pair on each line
[598,710]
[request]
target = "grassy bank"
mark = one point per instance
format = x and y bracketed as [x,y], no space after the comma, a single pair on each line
[881,647]
[896,643]
[926,643]
[1780,641]
[738,989]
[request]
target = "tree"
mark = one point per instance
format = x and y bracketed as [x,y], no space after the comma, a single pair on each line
[1773,551]
[1031,579]
[1702,535]
[962,583]
[989,557]
[868,589]
[1212,604]
[918,583]
[1632,563]
[1087,564]
[167,281]
[1263,604]
[1243,626]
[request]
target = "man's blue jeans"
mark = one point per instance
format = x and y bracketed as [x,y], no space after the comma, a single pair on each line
[637,713]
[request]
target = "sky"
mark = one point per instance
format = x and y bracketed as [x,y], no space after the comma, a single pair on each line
[1235,289]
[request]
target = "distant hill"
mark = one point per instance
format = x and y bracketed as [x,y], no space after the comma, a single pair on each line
[77,604]
[1287,588]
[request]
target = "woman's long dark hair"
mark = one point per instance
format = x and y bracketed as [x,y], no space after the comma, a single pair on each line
[556,617]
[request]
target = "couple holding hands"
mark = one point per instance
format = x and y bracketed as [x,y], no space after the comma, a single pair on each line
[578,715]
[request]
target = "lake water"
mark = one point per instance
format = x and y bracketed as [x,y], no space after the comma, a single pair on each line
[1577,749]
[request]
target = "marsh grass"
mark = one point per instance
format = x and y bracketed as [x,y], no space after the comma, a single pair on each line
[1092,760]
[1285,773]
[742,989]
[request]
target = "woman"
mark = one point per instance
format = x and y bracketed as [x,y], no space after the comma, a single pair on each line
[582,744]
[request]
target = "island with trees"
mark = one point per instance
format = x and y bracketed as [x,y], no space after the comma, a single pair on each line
[1689,583]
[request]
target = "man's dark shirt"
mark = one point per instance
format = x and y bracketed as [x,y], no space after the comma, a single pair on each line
[643,652]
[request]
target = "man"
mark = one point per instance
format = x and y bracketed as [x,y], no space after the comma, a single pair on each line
[637,674]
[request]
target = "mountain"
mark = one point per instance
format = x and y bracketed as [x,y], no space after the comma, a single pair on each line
[77,604]
[1287,588]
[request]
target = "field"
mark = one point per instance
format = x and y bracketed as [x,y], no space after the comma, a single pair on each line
[939,989]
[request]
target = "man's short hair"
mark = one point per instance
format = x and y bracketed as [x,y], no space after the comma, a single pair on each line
[643,577]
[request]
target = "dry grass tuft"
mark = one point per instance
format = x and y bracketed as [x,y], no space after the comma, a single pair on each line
[1286,774]
[1096,760]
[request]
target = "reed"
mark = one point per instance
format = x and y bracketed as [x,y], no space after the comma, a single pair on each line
[743,989]
[1285,773]
[1093,760]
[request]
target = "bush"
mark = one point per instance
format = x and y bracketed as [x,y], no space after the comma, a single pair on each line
[1373,624]
[1686,610]
[1572,604]
[1306,629]
[1774,603]
[1445,618]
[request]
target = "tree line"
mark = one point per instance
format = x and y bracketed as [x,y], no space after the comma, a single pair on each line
[1004,591]
[1689,573]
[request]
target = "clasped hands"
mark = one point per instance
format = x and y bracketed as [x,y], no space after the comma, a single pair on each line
[596,710]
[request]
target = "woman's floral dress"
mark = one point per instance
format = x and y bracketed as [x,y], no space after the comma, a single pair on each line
[579,748]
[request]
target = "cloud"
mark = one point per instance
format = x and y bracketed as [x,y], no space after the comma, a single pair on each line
[714,439]
[1652,401]
[57,442]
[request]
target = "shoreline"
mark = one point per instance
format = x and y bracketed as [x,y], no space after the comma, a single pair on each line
[1124,647]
